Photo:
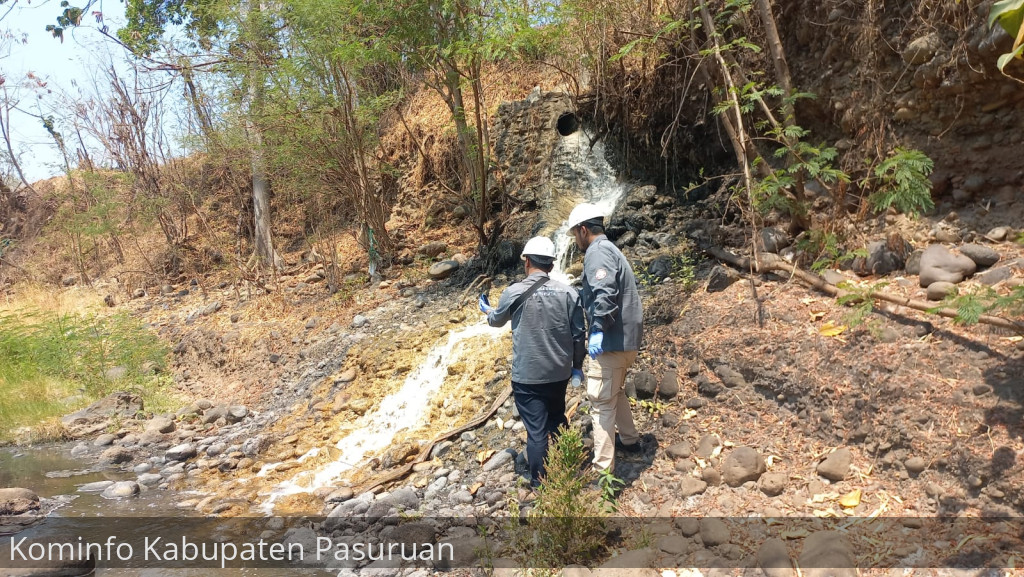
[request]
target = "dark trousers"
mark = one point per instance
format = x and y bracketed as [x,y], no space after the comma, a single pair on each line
[542,409]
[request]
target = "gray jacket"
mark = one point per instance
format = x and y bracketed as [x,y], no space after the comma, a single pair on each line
[610,296]
[548,335]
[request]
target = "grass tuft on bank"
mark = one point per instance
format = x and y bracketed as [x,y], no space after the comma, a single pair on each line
[53,363]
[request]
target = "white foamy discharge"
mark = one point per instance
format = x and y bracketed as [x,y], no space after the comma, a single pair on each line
[597,184]
[403,409]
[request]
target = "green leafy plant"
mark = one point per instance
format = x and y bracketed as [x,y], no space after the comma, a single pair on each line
[861,299]
[901,182]
[1009,14]
[565,525]
[609,485]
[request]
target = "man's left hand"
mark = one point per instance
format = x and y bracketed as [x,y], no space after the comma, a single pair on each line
[485,307]
[595,346]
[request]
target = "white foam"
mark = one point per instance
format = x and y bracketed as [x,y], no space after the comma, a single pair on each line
[403,409]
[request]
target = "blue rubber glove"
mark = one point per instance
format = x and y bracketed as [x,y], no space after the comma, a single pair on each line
[577,378]
[485,305]
[596,340]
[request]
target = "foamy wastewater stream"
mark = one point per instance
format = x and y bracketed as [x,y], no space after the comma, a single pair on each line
[406,408]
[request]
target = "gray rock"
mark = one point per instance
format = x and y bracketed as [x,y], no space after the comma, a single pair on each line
[827,554]
[216,449]
[160,425]
[742,464]
[999,233]
[722,278]
[730,377]
[773,484]
[915,465]
[150,479]
[713,532]
[913,265]
[644,384]
[994,275]
[444,269]
[404,499]
[214,414]
[982,255]
[707,445]
[836,465]
[668,388]
[773,559]
[773,240]
[104,440]
[80,450]
[417,532]
[235,413]
[673,544]
[940,290]
[627,238]
[706,387]
[681,450]
[884,257]
[96,487]
[210,308]
[433,248]
[688,526]
[121,490]
[441,449]
[359,321]
[254,446]
[461,497]
[16,501]
[922,49]
[690,486]
[938,264]
[97,416]
[500,459]
[660,268]
[116,456]
[181,452]
[635,563]
[142,468]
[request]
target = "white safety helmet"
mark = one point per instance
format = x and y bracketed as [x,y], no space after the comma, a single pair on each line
[540,247]
[582,213]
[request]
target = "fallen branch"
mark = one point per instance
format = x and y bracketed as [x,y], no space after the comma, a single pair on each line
[768,262]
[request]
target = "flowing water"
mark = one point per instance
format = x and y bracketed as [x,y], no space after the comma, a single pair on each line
[405,408]
[579,165]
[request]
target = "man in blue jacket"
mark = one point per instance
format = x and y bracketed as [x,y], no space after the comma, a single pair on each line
[548,346]
[615,317]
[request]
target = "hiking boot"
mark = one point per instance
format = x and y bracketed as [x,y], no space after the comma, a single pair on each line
[634,449]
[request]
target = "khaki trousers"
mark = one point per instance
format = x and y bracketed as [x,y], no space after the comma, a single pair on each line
[606,377]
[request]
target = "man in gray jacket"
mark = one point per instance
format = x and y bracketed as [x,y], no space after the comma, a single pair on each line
[548,346]
[615,316]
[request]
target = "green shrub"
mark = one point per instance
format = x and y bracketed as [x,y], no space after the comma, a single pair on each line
[565,525]
[51,364]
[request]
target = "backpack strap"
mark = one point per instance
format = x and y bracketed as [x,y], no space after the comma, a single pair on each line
[526,294]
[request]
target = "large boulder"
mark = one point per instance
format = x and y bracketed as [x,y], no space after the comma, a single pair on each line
[742,464]
[15,501]
[938,264]
[98,416]
[444,269]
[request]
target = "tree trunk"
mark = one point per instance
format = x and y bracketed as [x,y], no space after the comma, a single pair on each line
[262,231]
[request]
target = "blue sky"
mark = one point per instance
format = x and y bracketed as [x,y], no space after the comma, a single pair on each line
[66,67]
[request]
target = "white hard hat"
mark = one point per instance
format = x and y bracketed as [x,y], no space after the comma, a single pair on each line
[539,246]
[582,213]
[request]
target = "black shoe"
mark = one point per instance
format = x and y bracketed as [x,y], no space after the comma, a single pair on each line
[634,449]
